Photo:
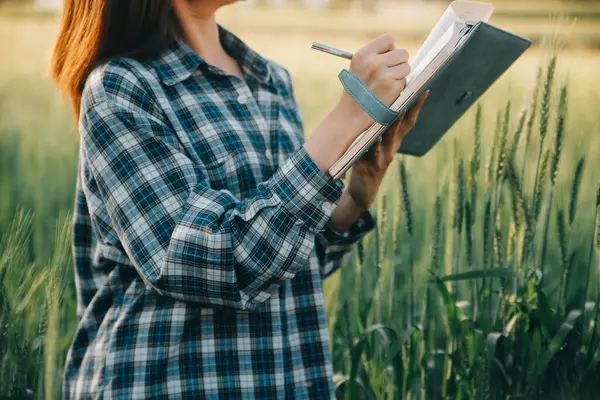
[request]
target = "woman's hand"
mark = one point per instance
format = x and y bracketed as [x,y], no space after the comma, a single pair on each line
[383,68]
[368,171]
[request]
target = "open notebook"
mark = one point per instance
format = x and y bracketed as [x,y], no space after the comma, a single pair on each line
[462,56]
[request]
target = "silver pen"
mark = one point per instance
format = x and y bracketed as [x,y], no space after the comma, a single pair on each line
[332,50]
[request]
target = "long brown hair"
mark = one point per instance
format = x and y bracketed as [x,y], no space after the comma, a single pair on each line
[93,31]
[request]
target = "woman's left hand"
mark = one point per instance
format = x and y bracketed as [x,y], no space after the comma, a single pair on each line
[368,171]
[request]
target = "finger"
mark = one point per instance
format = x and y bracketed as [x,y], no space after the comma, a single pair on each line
[369,155]
[377,146]
[395,57]
[413,114]
[379,45]
[380,156]
[376,149]
[393,137]
[388,135]
[399,71]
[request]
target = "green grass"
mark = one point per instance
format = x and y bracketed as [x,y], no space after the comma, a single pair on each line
[479,281]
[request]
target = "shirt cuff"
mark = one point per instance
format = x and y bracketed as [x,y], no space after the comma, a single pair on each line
[335,232]
[305,191]
[359,228]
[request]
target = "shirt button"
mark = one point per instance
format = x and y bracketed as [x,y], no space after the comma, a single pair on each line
[242,99]
[268,154]
[327,207]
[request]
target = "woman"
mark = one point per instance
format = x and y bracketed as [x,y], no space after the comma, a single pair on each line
[204,222]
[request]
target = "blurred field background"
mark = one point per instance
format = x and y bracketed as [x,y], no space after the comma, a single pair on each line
[38,155]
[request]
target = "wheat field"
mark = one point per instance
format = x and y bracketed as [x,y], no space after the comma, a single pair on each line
[481,279]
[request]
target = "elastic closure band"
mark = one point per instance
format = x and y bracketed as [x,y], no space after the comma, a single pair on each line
[366,99]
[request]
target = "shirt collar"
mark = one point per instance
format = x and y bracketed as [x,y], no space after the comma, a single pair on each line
[179,60]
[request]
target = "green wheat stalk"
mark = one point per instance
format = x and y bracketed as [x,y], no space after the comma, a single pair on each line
[560,130]
[437,234]
[406,204]
[511,247]
[459,197]
[541,187]
[562,241]
[500,257]
[475,162]
[501,162]
[598,244]
[395,247]
[436,249]
[382,234]
[533,105]
[41,332]
[516,185]
[520,212]
[547,97]
[502,151]
[558,140]
[497,249]
[595,244]
[531,117]
[545,112]
[575,190]
[408,217]
[470,250]
[457,218]
[571,217]
[492,156]
[487,216]
[516,139]
[469,234]
[515,205]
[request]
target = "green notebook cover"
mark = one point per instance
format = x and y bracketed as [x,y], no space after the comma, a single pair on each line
[478,61]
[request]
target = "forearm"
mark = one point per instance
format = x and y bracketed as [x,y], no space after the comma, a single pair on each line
[336,132]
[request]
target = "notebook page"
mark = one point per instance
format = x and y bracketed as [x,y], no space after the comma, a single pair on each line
[431,53]
[457,11]
[442,48]
[438,32]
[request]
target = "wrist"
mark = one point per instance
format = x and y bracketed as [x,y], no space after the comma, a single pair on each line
[336,132]
[358,119]
[345,213]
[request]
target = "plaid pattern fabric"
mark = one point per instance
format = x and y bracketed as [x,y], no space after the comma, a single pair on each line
[200,236]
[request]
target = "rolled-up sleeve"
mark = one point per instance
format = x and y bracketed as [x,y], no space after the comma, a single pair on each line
[185,239]
[333,248]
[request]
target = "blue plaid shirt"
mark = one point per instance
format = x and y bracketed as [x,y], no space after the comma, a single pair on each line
[200,236]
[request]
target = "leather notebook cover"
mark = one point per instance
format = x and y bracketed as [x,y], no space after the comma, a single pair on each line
[477,62]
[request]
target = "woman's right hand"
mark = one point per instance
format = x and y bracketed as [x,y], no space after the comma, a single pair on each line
[383,68]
